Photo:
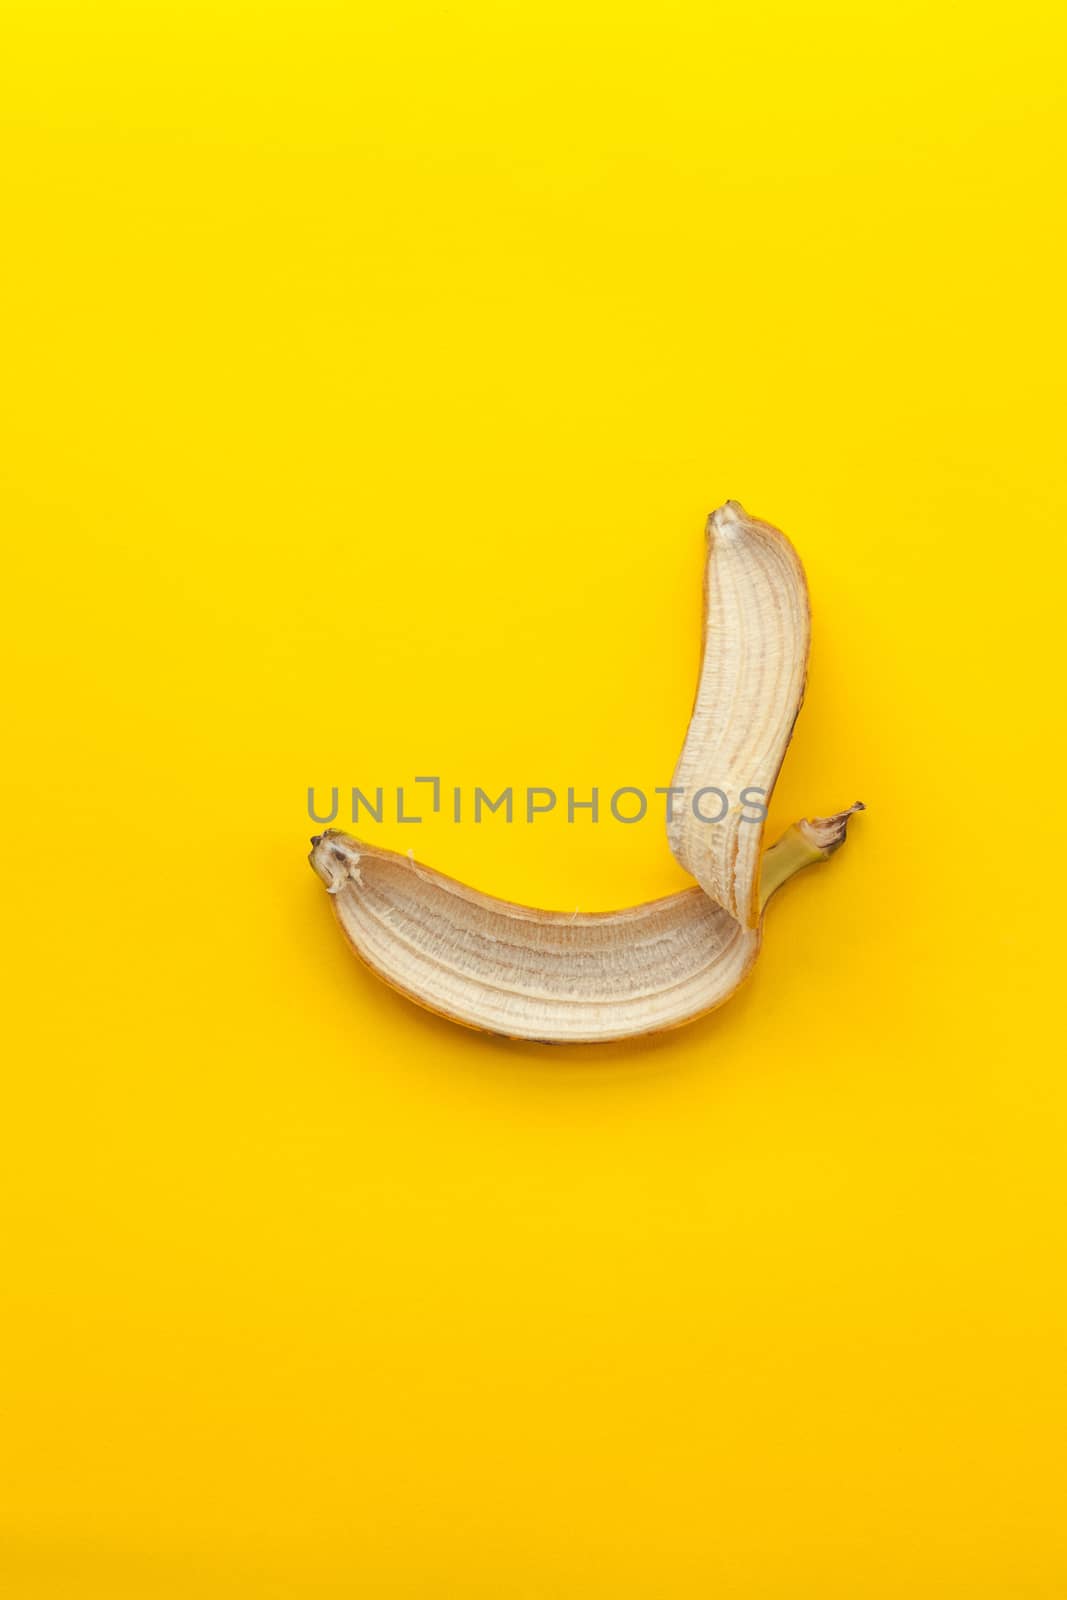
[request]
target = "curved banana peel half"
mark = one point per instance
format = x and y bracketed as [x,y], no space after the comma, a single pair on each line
[552,976]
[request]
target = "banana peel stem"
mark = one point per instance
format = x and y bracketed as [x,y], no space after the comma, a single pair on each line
[802,845]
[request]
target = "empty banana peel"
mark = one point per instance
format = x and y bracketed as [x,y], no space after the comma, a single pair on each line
[757,631]
[559,977]
[550,975]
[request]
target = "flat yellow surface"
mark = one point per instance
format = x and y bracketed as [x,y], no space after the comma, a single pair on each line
[367,377]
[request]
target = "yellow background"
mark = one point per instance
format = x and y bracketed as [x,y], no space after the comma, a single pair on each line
[367,376]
